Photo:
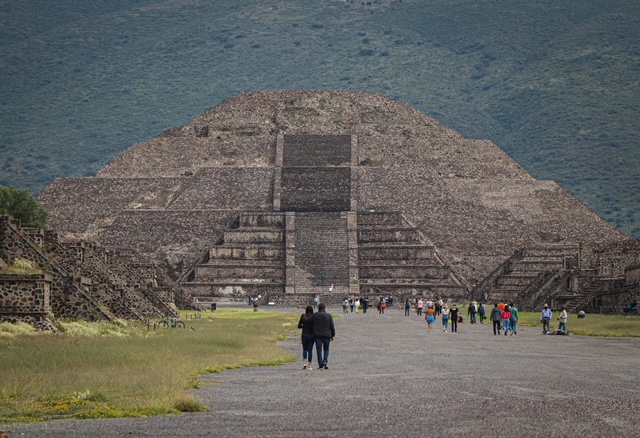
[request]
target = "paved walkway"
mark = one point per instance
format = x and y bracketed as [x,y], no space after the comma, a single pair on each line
[388,377]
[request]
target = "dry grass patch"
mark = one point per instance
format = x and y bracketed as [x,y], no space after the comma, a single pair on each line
[95,371]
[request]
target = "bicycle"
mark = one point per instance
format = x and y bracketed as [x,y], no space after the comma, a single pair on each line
[171,322]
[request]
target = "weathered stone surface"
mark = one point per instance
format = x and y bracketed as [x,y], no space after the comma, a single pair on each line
[174,196]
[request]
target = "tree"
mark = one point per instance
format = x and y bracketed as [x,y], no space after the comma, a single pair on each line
[21,205]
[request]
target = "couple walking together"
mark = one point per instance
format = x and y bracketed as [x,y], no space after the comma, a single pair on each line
[317,328]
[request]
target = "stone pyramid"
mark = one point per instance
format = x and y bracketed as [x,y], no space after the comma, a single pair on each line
[290,192]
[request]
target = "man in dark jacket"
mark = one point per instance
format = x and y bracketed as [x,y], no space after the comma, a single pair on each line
[324,332]
[495,318]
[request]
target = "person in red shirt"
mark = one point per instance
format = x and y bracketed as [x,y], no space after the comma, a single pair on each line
[506,320]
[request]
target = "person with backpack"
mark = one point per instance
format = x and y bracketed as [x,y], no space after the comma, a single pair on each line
[496,316]
[472,312]
[481,313]
[438,306]
[407,307]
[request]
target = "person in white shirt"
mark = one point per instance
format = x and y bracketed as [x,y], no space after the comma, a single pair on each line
[562,326]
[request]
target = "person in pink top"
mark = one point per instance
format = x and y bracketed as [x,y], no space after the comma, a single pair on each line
[420,306]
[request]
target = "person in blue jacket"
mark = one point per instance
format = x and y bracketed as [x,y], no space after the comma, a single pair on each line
[545,318]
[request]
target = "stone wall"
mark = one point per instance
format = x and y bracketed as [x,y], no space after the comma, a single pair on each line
[316,189]
[85,281]
[632,275]
[67,299]
[101,200]
[316,150]
[171,238]
[227,188]
[25,294]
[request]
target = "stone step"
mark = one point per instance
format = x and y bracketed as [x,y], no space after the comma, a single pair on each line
[391,252]
[516,280]
[392,235]
[244,252]
[262,220]
[369,219]
[552,250]
[231,282]
[254,263]
[259,273]
[250,236]
[408,272]
[400,262]
[535,265]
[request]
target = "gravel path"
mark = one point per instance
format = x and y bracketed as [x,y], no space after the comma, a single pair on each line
[389,377]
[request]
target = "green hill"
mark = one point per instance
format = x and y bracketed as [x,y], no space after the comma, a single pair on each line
[553,83]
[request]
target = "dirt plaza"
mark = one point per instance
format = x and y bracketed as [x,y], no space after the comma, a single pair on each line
[389,377]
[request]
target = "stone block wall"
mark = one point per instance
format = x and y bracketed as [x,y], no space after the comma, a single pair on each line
[316,189]
[85,281]
[316,150]
[25,294]
[67,299]
[227,187]
[115,285]
[102,199]
[174,238]
[632,275]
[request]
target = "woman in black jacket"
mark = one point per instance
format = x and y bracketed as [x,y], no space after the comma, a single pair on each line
[306,324]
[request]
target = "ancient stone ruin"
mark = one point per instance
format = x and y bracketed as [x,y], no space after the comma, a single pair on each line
[77,280]
[288,194]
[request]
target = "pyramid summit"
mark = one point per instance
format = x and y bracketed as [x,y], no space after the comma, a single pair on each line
[284,193]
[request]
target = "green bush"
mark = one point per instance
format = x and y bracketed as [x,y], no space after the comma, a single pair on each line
[21,205]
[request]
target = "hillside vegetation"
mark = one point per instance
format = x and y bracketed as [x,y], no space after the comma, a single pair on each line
[553,83]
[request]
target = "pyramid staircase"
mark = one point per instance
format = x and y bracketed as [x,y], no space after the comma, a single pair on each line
[394,258]
[529,267]
[249,261]
[290,257]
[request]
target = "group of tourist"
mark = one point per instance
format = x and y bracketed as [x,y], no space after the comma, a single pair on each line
[419,305]
[317,329]
[504,317]
[351,304]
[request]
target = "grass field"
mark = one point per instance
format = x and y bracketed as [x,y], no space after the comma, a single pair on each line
[98,370]
[591,325]
[102,370]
